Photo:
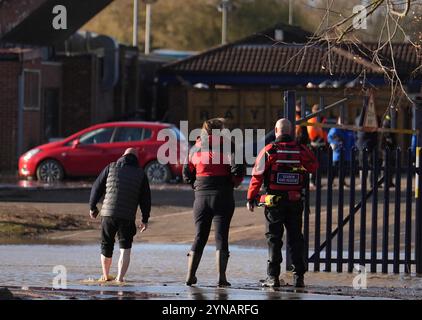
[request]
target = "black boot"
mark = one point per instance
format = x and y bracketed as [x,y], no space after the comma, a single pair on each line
[222,258]
[193,262]
[271,282]
[298,280]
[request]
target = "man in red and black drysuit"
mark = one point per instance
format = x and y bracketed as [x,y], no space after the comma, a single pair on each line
[283,166]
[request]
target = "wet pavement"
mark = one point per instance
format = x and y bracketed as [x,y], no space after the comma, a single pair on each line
[156,272]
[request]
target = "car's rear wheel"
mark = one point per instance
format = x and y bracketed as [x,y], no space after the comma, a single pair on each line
[157,172]
[50,171]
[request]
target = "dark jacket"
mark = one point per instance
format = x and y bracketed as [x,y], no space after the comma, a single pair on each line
[211,170]
[388,139]
[125,186]
[365,139]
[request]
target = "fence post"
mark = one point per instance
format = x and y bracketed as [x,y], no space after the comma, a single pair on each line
[418,220]
[290,113]
[290,109]
[351,244]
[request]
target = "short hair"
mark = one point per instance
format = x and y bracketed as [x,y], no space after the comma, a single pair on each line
[131,151]
[215,123]
[284,125]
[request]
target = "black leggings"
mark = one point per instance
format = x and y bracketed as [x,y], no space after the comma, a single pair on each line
[206,208]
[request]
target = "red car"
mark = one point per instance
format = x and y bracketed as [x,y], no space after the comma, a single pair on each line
[88,152]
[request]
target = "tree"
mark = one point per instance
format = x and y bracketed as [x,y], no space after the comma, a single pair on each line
[388,21]
[191,24]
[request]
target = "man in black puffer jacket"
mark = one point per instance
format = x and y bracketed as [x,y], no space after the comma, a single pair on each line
[125,186]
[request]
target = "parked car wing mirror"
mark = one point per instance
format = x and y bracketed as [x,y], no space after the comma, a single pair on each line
[75,143]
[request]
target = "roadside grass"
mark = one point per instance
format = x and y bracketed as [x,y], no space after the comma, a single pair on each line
[30,225]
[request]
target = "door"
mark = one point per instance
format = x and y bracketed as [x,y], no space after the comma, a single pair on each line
[92,154]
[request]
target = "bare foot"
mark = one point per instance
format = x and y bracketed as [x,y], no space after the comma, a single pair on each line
[109,278]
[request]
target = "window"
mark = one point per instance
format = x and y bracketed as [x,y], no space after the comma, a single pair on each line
[131,134]
[179,135]
[102,135]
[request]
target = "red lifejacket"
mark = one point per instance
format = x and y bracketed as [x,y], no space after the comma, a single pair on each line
[286,172]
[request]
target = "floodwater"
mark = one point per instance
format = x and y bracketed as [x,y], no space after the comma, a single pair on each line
[151,264]
[156,269]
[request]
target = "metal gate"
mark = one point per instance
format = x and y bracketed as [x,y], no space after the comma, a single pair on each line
[364,221]
[372,217]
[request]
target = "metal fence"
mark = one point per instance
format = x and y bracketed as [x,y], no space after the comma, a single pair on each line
[371,217]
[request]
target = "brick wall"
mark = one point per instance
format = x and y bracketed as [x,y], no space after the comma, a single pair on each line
[8,114]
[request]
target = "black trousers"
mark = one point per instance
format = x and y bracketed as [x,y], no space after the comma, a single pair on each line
[217,207]
[288,215]
[125,230]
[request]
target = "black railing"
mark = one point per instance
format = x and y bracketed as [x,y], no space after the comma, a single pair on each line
[385,240]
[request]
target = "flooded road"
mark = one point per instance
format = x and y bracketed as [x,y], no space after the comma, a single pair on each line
[157,271]
[151,264]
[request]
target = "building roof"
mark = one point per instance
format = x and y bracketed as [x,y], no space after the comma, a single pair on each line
[30,22]
[260,55]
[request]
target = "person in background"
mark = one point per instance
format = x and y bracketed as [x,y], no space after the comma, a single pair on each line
[125,186]
[317,136]
[388,140]
[301,133]
[341,140]
[366,140]
[413,146]
[213,182]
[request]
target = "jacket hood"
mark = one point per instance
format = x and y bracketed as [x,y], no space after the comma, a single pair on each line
[128,160]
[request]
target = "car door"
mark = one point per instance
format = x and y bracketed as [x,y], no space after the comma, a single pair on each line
[91,154]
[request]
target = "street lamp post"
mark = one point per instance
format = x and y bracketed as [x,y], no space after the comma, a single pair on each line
[148,28]
[148,4]
[290,12]
[224,7]
[135,23]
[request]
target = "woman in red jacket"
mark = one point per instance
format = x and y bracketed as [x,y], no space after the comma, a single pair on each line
[213,174]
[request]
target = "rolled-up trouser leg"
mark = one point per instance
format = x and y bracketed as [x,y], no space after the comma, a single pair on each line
[108,234]
[274,235]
